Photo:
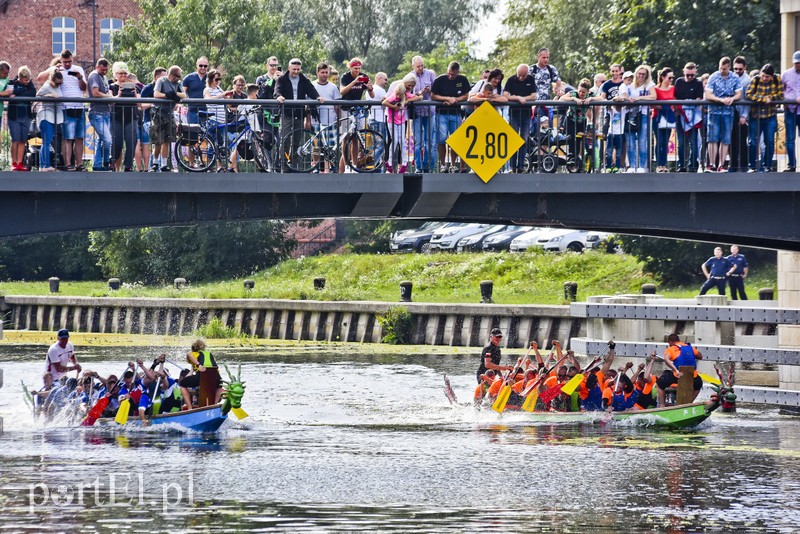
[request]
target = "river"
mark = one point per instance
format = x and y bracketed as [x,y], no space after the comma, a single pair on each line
[366,442]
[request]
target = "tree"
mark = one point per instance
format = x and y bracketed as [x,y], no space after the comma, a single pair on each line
[40,257]
[379,32]
[586,36]
[236,35]
[202,252]
[440,57]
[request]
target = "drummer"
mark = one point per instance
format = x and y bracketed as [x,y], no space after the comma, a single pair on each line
[206,374]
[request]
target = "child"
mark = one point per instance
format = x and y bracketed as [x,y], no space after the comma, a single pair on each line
[251,115]
[616,129]
[396,119]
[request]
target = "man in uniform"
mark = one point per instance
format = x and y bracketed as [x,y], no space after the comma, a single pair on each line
[736,279]
[490,355]
[717,269]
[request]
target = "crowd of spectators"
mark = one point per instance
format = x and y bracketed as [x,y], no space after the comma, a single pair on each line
[615,121]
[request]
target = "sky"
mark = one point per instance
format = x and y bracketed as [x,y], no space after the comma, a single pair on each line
[486,32]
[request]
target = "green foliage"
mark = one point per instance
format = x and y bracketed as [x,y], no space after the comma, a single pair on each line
[237,35]
[201,252]
[678,262]
[585,36]
[367,236]
[396,323]
[379,31]
[40,257]
[215,329]
[441,56]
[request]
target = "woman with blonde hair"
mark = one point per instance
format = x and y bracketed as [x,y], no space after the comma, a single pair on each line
[48,116]
[637,136]
[397,116]
[124,118]
[19,117]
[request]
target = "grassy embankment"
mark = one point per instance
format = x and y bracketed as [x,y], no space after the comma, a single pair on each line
[529,278]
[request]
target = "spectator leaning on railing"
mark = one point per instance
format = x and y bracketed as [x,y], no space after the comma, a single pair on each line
[764,88]
[163,131]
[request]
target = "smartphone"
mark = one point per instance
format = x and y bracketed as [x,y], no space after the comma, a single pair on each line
[363,78]
[72,73]
[127,85]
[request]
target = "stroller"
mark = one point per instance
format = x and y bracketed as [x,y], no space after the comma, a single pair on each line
[550,148]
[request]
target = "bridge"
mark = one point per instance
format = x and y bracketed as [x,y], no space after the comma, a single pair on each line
[750,209]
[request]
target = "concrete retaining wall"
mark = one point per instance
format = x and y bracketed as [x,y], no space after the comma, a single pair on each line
[433,324]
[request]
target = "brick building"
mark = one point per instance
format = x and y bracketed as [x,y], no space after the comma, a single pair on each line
[36,30]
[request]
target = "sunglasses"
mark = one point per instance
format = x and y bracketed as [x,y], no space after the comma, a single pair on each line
[296,63]
[202,66]
[274,65]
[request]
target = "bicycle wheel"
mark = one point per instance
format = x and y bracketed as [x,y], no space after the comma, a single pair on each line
[364,150]
[300,151]
[264,156]
[196,156]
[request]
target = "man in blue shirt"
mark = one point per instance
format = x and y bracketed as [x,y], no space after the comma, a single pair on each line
[717,269]
[193,85]
[736,280]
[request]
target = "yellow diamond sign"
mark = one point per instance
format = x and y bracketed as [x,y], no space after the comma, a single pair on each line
[485,141]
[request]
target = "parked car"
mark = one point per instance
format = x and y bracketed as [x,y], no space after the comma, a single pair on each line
[523,242]
[502,240]
[447,238]
[474,242]
[595,240]
[415,239]
[563,239]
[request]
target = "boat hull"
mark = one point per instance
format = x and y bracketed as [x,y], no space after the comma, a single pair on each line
[206,419]
[681,416]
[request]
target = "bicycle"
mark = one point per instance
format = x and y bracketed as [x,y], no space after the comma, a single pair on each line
[304,150]
[199,145]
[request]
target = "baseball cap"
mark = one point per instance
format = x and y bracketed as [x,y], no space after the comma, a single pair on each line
[796,57]
[628,74]
[63,333]
[497,332]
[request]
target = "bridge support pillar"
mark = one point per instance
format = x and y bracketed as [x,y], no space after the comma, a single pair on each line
[713,333]
[789,297]
[622,328]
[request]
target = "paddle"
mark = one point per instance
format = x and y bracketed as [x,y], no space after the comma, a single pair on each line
[98,408]
[711,379]
[531,393]
[156,398]
[125,406]
[573,383]
[502,398]
[448,391]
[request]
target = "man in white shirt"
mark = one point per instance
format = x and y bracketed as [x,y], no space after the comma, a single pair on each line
[59,355]
[327,114]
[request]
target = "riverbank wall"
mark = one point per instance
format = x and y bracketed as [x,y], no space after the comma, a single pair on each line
[432,324]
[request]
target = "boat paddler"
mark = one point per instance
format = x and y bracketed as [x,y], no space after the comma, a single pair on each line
[490,355]
[206,376]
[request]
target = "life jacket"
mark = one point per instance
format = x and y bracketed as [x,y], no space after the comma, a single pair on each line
[686,357]
[205,358]
[593,401]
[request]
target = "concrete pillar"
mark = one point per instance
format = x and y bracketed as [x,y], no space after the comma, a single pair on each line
[594,327]
[788,297]
[624,329]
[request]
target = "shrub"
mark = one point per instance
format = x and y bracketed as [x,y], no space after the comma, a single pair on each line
[214,329]
[396,324]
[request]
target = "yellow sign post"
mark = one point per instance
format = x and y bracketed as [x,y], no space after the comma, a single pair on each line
[485,141]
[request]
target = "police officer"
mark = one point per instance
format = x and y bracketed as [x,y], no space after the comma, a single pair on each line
[717,269]
[490,355]
[736,280]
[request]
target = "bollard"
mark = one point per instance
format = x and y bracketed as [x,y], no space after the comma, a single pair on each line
[486,291]
[405,291]
[570,291]
[180,283]
[648,289]
[114,284]
[54,282]
[766,293]
[249,284]
[319,283]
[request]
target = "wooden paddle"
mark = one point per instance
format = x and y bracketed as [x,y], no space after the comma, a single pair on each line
[448,391]
[499,404]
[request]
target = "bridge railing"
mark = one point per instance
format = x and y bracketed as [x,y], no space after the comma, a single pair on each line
[265,135]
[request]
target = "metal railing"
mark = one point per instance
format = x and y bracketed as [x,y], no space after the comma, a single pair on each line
[355,136]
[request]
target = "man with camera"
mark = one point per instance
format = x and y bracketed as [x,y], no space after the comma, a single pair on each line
[100,116]
[74,127]
[162,130]
[352,86]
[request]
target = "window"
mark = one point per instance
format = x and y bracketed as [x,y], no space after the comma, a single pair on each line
[107,29]
[63,34]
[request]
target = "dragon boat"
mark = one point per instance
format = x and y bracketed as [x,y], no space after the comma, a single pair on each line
[680,416]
